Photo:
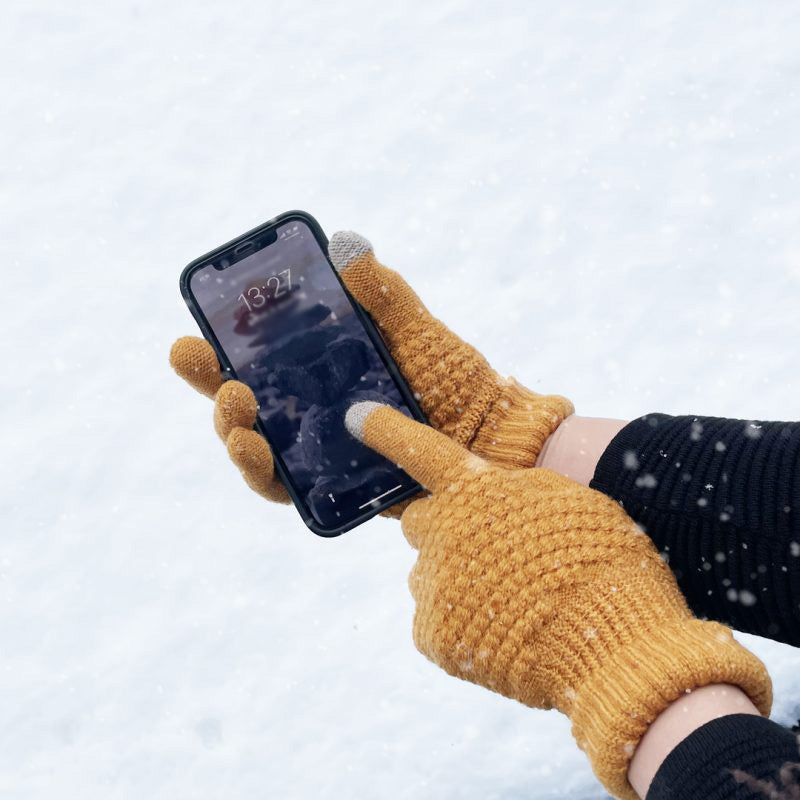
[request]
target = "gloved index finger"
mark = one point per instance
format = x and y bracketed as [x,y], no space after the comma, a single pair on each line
[428,456]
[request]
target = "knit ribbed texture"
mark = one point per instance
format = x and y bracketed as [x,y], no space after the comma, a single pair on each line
[517,425]
[736,757]
[545,591]
[721,499]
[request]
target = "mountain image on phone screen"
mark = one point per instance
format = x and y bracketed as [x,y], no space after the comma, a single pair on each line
[292,335]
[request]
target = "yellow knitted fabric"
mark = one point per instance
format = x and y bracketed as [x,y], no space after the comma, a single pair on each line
[457,389]
[235,410]
[196,362]
[545,591]
[461,395]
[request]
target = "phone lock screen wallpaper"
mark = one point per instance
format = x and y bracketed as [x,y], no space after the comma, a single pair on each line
[292,335]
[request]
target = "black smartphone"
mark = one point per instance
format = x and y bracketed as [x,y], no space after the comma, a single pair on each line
[281,321]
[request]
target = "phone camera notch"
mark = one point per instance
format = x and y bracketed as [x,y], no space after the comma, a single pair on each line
[245,249]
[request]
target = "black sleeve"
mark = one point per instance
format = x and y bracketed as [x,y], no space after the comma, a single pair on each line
[736,757]
[720,498]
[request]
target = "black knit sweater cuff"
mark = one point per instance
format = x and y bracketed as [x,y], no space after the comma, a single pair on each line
[736,757]
[720,498]
[619,466]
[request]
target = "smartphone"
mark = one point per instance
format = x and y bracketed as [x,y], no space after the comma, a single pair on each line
[281,321]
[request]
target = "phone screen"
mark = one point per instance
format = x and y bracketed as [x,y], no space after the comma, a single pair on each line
[292,335]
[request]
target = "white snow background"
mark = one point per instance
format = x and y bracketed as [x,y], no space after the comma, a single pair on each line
[603,197]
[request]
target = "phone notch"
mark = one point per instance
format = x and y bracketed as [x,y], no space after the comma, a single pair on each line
[245,249]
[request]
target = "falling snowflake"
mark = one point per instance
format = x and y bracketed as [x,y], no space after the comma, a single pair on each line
[747,598]
[752,431]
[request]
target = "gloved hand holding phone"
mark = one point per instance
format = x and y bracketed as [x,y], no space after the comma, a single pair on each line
[457,389]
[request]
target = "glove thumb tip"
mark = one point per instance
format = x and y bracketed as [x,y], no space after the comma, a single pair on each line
[345,247]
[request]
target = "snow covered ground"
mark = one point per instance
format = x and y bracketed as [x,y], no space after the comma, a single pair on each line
[604,197]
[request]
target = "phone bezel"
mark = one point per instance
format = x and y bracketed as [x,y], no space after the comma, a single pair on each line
[369,327]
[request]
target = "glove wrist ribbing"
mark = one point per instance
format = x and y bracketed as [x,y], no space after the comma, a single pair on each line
[615,705]
[517,423]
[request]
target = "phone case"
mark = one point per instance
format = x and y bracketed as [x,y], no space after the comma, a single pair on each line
[371,330]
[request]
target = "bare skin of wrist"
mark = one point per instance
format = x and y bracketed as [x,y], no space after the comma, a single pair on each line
[575,447]
[677,721]
[573,450]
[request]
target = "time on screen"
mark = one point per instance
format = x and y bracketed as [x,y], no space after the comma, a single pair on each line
[274,287]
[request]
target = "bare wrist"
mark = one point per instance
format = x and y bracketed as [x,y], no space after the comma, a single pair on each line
[681,718]
[575,447]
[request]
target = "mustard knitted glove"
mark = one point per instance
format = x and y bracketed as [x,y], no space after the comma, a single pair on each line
[461,395]
[457,389]
[545,591]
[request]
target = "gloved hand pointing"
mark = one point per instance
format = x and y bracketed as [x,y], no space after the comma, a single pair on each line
[545,591]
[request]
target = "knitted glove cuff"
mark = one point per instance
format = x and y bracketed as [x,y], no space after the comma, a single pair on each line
[614,707]
[517,424]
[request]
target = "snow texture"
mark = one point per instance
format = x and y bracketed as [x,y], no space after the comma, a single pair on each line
[602,196]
